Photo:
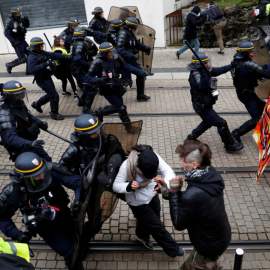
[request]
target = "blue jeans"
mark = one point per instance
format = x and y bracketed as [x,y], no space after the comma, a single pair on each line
[192,42]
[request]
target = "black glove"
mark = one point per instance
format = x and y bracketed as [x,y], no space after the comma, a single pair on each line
[148,73]
[23,237]
[33,130]
[75,209]
[43,125]
[136,57]
[48,62]
[36,143]
[103,80]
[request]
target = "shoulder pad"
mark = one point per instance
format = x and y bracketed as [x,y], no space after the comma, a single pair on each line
[92,23]
[69,155]
[57,167]
[6,192]
[14,177]
[196,76]
[79,48]
[253,66]
[7,23]
[122,35]
[5,120]
[95,65]
[63,34]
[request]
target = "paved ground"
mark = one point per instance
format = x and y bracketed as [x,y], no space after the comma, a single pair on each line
[168,118]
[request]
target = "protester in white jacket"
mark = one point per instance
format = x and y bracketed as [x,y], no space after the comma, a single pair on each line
[135,180]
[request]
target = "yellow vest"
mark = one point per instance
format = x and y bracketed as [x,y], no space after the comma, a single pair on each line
[63,52]
[18,249]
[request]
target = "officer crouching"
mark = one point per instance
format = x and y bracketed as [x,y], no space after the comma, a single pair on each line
[40,64]
[19,129]
[245,74]
[204,96]
[37,190]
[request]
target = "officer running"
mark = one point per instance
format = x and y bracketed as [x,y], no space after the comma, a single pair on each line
[105,71]
[40,64]
[15,31]
[98,25]
[19,128]
[204,96]
[245,74]
[128,46]
[37,190]
[114,29]
[83,50]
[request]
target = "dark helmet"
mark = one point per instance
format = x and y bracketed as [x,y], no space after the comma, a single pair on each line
[35,42]
[79,33]
[124,8]
[97,10]
[104,48]
[33,170]
[85,124]
[115,25]
[73,21]
[131,23]
[195,63]
[243,48]
[15,10]
[14,92]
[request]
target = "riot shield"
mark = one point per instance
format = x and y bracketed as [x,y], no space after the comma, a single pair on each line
[261,58]
[103,200]
[146,35]
[86,188]
[136,11]
[118,13]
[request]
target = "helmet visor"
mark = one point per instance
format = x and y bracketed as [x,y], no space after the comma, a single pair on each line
[38,182]
[17,100]
[208,64]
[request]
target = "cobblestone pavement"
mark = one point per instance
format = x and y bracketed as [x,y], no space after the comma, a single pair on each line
[247,202]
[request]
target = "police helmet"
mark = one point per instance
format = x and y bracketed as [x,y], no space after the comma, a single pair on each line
[245,46]
[195,63]
[131,23]
[79,33]
[14,92]
[33,171]
[124,8]
[35,42]
[106,47]
[115,25]
[97,11]
[85,124]
[73,21]
[15,10]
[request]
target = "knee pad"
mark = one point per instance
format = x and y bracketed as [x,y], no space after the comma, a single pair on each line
[223,123]
[122,109]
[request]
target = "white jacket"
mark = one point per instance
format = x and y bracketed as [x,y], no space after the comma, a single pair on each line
[144,195]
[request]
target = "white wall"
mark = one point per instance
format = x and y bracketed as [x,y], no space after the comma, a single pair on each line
[3,40]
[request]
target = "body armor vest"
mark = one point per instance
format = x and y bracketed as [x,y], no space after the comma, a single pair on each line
[131,46]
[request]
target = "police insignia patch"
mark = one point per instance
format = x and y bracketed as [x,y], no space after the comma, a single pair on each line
[35,161]
[18,85]
[92,121]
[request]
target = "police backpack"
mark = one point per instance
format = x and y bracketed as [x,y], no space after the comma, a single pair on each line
[260,11]
[216,12]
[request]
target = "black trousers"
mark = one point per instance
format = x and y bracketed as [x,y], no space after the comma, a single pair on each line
[148,217]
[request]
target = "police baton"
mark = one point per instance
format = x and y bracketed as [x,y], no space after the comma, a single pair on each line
[203,65]
[58,136]
[47,40]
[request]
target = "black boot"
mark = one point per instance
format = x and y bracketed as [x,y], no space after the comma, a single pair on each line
[37,107]
[123,115]
[56,116]
[88,104]
[78,265]
[80,103]
[11,65]
[244,129]
[104,111]
[191,137]
[230,144]
[55,106]
[140,81]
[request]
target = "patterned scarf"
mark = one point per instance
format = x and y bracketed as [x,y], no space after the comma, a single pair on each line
[196,173]
[132,170]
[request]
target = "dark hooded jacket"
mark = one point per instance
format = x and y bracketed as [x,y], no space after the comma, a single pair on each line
[191,23]
[201,210]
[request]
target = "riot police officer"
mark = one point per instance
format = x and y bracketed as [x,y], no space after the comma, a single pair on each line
[98,25]
[108,66]
[114,28]
[128,47]
[19,128]
[83,50]
[15,31]
[37,191]
[204,96]
[40,64]
[67,34]
[245,74]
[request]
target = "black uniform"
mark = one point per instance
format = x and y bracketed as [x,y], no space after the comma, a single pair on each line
[15,31]
[114,29]
[98,26]
[245,75]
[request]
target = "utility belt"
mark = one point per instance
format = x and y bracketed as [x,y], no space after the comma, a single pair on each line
[219,21]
